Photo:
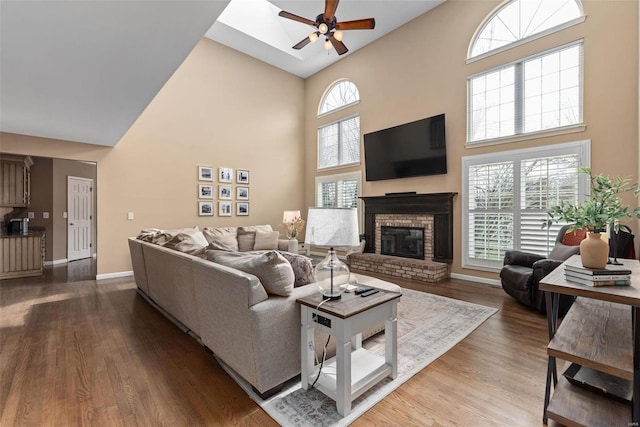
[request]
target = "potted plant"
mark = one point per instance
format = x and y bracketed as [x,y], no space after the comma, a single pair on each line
[602,209]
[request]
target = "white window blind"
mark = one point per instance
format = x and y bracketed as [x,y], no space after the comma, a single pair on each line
[506,196]
[341,191]
[535,94]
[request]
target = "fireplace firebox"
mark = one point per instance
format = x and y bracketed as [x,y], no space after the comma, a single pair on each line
[405,242]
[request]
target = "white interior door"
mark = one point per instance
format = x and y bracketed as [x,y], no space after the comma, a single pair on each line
[80,216]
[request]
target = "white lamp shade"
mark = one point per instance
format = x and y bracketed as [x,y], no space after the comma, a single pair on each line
[332,227]
[290,216]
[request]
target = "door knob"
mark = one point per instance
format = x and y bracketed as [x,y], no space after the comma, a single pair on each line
[70,223]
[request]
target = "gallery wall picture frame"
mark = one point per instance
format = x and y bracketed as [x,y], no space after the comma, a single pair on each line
[225,192]
[242,209]
[224,208]
[225,174]
[242,176]
[242,193]
[205,208]
[205,191]
[205,173]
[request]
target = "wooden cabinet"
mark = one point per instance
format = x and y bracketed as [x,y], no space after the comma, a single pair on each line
[15,190]
[22,255]
[597,334]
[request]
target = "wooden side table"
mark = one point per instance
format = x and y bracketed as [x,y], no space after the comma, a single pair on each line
[354,369]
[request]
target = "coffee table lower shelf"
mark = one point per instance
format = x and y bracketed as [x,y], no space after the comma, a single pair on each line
[367,369]
[576,406]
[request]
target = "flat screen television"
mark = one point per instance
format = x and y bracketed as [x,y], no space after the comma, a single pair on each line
[412,149]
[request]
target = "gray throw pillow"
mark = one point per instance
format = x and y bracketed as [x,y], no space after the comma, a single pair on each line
[222,238]
[266,240]
[562,252]
[271,268]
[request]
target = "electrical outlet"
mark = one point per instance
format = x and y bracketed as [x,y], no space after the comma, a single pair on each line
[45,215]
[324,321]
[31,215]
[130,216]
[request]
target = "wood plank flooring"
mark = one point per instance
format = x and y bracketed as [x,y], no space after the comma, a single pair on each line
[81,353]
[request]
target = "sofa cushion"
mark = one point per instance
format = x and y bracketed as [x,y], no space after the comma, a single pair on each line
[247,236]
[160,237]
[222,238]
[190,242]
[302,268]
[266,240]
[272,269]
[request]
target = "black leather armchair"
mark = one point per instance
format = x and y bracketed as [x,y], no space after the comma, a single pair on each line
[522,272]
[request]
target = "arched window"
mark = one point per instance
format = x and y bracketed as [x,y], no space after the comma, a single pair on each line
[522,20]
[340,95]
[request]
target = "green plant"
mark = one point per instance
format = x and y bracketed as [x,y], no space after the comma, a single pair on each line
[602,208]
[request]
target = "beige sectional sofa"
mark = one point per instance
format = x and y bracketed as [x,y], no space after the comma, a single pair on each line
[255,333]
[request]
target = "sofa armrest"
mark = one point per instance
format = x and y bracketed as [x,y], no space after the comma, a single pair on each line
[525,259]
[543,267]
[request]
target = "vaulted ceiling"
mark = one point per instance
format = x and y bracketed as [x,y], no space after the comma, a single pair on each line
[85,70]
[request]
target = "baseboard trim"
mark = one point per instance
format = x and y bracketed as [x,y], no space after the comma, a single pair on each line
[483,280]
[56,262]
[114,275]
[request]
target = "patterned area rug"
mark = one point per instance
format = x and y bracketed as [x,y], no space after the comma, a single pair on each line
[428,326]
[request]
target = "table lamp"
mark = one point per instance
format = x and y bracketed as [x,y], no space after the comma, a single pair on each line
[332,228]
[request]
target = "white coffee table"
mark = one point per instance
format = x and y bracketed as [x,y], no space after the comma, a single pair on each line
[354,369]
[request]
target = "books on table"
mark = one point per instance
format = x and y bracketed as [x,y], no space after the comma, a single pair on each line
[611,275]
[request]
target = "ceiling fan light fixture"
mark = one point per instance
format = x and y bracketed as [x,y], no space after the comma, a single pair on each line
[338,35]
[323,28]
[327,45]
[313,37]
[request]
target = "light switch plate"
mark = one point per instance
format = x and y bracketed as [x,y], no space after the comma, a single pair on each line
[64,215]
[31,215]
[45,215]
[130,216]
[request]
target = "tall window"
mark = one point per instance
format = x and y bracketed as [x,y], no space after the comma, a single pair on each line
[538,93]
[506,196]
[519,21]
[339,143]
[338,191]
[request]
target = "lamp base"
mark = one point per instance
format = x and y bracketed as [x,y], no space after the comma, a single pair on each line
[331,296]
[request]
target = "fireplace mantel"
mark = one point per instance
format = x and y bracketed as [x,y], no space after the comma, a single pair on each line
[440,205]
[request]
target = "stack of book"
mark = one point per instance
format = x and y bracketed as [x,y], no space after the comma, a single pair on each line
[608,276]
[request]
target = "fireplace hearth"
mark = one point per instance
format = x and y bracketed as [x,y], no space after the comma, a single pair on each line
[407,242]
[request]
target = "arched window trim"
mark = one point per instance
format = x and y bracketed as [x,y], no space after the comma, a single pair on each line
[342,107]
[520,42]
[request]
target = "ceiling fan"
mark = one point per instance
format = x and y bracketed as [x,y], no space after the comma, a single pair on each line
[327,25]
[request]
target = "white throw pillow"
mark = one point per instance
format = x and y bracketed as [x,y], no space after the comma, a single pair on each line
[266,240]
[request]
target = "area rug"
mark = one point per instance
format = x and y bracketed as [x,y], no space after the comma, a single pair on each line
[428,326]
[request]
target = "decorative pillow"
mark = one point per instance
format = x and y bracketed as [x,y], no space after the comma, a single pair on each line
[573,238]
[247,236]
[160,237]
[222,238]
[193,243]
[266,240]
[562,252]
[273,270]
[302,268]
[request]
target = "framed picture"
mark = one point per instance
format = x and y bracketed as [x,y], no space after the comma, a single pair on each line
[205,191]
[242,193]
[242,209]
[224,208]
[205,208]
[205,173]
[242,176]
[224,192]
[225,174]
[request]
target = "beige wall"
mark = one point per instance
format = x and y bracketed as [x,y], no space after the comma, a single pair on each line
[419,71]
[220,108]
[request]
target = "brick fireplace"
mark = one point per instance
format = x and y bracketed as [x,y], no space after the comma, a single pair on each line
[432,213]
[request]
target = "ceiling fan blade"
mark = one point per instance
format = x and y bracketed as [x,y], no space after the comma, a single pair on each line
[302,43]
[358,24]
[338,45]
[330,7]
[297,18]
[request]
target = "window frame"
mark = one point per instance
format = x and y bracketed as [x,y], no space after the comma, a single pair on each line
[341,107]
[340,146]
[346,176]
[582,148]
[568,24]
[518,64]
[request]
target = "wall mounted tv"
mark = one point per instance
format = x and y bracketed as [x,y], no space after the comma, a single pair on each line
[412,149]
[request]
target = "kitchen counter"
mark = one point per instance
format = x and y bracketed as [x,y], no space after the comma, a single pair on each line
[22,255]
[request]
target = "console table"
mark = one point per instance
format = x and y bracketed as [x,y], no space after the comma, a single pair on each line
[350,373]
[601,332]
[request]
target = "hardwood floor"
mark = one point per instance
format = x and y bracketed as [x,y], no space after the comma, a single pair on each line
[81,353]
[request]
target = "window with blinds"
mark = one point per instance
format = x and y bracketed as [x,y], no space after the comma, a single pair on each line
[339,143]
[338,191]
[506,196]
[538,93]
